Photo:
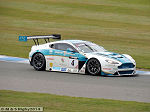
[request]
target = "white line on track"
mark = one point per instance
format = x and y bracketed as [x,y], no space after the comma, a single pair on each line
[13,59]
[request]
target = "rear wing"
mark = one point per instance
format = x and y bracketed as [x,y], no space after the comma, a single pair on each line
[35,38]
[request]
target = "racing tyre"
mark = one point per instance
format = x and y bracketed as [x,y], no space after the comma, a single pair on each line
[93,67]
[39,62]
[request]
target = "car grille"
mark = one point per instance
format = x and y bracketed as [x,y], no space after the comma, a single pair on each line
[126,65]
[126,72]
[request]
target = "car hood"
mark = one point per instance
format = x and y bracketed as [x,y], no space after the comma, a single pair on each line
[116,56]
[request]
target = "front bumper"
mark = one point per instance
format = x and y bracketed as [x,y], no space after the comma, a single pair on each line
[119,73]
[128,72]
[120,70]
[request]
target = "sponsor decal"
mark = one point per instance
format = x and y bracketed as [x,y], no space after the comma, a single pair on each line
[74,70]
[63,69]
[65,53]
[50,58]
[51,64]
[115,69]
[82,71]
[56,68]
[50,51]
[62,62]
[23,38]
[69,54]
[62,59]
[107,68]
[58,53]
[69,70]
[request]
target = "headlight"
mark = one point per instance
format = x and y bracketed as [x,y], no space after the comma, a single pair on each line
[111,62]
[129,57]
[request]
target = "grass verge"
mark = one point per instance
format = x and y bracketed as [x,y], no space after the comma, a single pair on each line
[56,103]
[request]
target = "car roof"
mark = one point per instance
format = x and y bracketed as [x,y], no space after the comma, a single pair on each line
[72,41]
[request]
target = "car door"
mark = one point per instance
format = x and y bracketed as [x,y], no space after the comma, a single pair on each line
[65,58]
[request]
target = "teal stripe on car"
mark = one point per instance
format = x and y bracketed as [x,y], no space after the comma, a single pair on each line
[62,53]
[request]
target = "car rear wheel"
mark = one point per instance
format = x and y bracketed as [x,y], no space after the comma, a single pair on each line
[93,67]
[39,62]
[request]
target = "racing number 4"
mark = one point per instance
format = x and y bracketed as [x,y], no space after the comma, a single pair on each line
[72,63]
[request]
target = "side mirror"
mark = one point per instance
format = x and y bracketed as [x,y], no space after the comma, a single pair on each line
[70,50]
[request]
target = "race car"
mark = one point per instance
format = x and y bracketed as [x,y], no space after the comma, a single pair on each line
[77,56]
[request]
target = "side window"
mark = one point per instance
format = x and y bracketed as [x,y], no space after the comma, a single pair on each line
[64,47]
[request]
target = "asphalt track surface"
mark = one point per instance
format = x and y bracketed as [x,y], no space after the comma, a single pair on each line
[22,77]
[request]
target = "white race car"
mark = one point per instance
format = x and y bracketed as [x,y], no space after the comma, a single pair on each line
[77,56]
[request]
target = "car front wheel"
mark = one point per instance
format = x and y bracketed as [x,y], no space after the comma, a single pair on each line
[93,67]
[39,62]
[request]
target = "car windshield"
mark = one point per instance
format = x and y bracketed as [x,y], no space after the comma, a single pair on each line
[88,47]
